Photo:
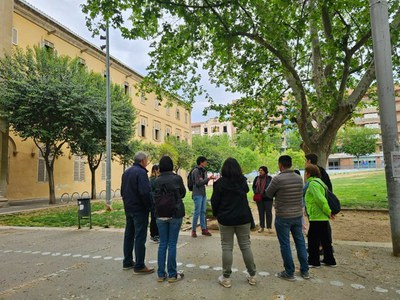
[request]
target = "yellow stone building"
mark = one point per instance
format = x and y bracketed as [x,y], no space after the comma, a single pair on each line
[23,174]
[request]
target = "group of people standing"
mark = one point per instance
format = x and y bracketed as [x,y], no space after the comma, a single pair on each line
[231,208]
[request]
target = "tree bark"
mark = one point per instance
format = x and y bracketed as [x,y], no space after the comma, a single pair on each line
[50,174]
[93,192]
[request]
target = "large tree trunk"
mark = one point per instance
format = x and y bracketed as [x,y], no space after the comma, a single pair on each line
[93,165]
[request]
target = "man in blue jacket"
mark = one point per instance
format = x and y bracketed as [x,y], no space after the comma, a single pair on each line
[136,194]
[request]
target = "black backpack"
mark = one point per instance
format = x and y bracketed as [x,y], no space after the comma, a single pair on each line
[165,202]
[190,181]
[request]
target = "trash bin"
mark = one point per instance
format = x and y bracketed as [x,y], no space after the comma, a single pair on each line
[84,211]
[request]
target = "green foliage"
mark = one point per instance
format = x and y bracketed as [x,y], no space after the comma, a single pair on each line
[308,62]
[41,99]
[185,157]
[293,140]
[357,141]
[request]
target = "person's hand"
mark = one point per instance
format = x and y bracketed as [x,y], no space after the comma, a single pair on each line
[212,177]
[332,217]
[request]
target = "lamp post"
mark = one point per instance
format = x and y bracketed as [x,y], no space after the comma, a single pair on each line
[387,106]
[108,121]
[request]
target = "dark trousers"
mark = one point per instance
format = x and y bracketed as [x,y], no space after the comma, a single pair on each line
[153,226]
[135,238]
[320,233]
[265,212]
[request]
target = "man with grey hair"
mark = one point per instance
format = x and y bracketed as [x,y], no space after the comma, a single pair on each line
[136,194]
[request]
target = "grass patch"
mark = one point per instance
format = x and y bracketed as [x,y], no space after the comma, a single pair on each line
[361,190]
[356,190]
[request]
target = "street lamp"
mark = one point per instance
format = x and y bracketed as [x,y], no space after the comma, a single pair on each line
[108,119]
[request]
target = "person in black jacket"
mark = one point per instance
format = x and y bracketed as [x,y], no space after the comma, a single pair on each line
[136,195]
[313,159]
[231,208]
[169,219]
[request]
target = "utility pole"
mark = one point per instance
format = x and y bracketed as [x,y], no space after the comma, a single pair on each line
[387,106]
[108,119]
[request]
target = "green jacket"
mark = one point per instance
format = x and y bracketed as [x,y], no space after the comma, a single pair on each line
[316,203]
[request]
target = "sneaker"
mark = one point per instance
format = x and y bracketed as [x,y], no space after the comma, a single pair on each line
[328,265]
[194,234]
[225,282]
[179,276]
[305,275]
[286,276]
[314,266]
[260,230]
[162,279]
[251,279]
[206,232]
[144,271]
[155,239]
[128,267]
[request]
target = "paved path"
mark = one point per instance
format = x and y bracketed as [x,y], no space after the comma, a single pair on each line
[51,263]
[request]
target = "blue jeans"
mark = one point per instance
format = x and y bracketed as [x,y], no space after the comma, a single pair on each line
[285,226]
[135,237]
[169,233]
[200,206]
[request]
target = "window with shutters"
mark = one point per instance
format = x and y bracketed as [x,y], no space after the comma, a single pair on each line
[42,170]
[126,88]
[48,45]
[177,114]
[168,110]
[186,136]
[168,131]
[157,131]
[178,134]
[142,98]
[157,104]
[15,36]
[142,127]
[79,168]
[186,117]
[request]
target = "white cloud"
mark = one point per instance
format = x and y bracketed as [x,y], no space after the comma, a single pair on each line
[132,53]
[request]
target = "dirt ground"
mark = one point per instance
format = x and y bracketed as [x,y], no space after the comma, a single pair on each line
[349,225]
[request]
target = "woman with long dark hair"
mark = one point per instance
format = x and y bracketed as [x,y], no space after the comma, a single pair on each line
[231,208]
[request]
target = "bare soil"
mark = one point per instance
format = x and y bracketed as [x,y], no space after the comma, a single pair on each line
[349,225]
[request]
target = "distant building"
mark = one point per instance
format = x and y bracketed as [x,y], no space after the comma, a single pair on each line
[23,173]
[368,116]
[213,127]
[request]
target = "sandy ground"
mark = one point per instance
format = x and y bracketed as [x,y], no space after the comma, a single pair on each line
[349,225]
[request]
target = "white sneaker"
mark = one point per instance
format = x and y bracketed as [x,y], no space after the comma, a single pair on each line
[261,230]
[225,282]
[251,279]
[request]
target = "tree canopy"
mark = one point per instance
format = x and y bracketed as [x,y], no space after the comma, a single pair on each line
[357,141]
[310,62]
[41,98]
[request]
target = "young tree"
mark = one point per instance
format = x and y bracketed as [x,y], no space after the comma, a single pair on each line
[90,141]
[185,157]
[41,99]
[358,141]
[311,59]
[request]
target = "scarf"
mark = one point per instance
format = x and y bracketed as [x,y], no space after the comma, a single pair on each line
[260,184]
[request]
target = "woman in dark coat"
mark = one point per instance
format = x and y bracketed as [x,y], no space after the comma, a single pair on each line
[231,208]
[264,206]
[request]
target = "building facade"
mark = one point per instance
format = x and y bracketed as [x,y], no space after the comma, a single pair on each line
[213,127]
[23,25]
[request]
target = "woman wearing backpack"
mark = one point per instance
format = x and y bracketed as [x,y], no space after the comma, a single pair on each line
[169,210]
[319,214]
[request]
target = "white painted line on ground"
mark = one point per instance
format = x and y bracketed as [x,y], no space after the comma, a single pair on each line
[357,286]
[336,283]
[380,290]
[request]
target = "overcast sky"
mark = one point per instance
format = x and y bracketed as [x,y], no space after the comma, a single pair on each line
[132,53]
